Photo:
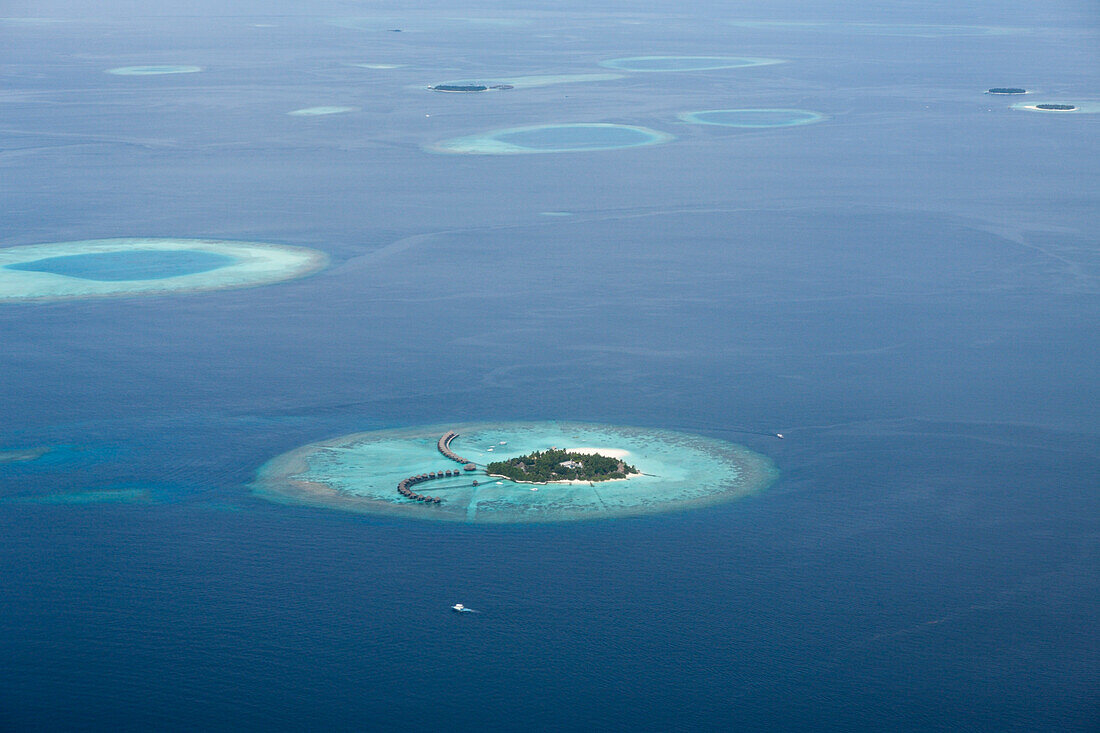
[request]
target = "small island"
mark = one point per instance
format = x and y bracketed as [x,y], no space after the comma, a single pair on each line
[1007,90]
[468,88]
[1056,107]
[559,465]
[459,88]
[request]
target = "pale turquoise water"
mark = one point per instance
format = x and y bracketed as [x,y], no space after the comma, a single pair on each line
[132,265]
[360,472]
[685,63]
[562,138]
[752,117]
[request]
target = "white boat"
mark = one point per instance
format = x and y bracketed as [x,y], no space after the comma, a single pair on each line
[458,607]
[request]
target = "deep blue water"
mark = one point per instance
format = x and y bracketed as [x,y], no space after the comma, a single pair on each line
[907,290]
[134,265]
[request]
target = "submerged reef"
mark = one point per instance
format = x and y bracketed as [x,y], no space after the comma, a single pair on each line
[320,111]
[383,472]
[151,266]
[685,63]
[124,495]
[563,138]
[752,117]
[155,70]
[518,82]
[22,455]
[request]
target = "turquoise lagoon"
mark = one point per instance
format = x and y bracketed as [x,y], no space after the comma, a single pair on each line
[360,473]
[562,138]
[104,267]
[752,117]
[686,63]
[147,264]
[154,70]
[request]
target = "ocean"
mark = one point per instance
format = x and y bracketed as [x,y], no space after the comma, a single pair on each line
[905,289]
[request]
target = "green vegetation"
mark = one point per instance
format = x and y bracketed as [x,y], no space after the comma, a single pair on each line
[560,465]
[460,88]
[1007,90]
[1056,107]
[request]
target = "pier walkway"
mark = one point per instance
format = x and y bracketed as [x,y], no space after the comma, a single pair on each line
[444,445]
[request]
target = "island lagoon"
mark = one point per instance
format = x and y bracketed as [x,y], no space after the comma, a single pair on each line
[135,266]
[361,472]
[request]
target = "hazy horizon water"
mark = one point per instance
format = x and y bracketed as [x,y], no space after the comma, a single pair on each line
[907,292]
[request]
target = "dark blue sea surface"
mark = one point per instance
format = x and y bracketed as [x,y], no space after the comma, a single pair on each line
[908,291]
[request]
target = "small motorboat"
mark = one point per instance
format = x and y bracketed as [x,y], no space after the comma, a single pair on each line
[458,607]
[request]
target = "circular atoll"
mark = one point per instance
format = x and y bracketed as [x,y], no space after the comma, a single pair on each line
[1006,90]
[685,63]
[439,473]
[120,267]
[1059,107]
[564,138]
[154,70]
[752,117]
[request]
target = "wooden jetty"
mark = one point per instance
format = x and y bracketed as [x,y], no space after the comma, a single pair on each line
[405,486]
[444,446]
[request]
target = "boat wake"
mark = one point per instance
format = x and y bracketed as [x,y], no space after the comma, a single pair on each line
[459,608]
